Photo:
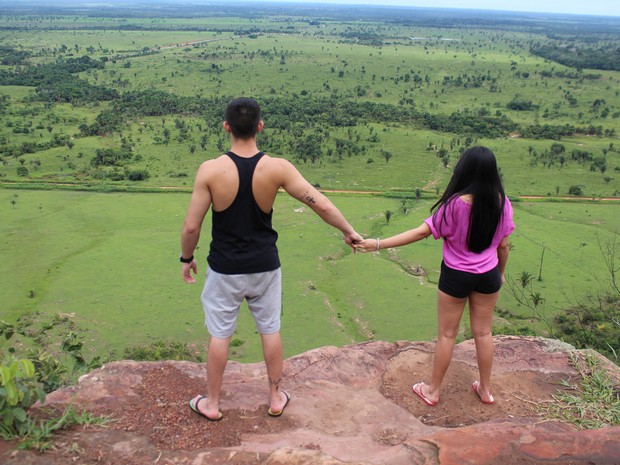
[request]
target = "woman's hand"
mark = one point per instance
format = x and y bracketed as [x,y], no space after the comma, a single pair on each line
[367,245]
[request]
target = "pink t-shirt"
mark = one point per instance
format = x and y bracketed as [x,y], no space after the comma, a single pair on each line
[454,230]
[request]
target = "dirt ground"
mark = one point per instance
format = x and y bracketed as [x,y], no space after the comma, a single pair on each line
[517,394]
[161,411]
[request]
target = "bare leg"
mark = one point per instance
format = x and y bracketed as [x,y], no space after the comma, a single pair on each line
[449,312]
[272,351]
[217,358]
[481,308]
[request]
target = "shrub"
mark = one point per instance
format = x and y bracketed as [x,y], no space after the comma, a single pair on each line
[51,344]
[19,390]
[161,350]
[592,324]
[575,190]
[520,104]
[110,157]
[137,175]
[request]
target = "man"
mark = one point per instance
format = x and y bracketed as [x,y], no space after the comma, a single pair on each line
[241,187]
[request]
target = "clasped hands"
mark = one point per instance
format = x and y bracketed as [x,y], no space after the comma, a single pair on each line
[359,244]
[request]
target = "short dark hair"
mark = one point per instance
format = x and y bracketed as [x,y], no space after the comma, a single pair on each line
[243,115]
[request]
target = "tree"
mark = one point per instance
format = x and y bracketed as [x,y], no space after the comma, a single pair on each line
[557,149]
[575,190]
[137,175]
[110,157]
[520,104]
[403,206]
[387,155]
[388,215]
[600,164]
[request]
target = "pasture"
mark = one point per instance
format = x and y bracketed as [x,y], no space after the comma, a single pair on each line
[111,262]
[397,103]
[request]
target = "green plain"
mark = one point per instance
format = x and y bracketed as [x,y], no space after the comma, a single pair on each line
[110,258]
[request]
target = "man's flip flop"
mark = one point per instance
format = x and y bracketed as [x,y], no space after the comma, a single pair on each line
[271,413]
[194,406]
[476,388]
[417,390]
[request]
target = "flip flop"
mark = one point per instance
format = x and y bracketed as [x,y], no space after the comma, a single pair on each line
[476,388]
[417,390]
[271,413]
[194,406]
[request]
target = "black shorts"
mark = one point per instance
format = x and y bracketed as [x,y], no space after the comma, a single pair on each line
[460,284]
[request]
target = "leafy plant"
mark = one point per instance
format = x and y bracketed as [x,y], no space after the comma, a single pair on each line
[21,385]
[19,389]
[36,338]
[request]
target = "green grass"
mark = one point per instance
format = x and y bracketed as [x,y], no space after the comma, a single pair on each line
[111,261]
[592,402]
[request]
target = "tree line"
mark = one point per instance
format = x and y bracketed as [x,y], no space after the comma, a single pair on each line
[55,82]
[604,57]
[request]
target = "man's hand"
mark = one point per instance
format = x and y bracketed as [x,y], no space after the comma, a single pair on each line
[187,269]
[352,239]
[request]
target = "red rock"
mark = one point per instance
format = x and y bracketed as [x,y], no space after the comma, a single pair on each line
[349,405]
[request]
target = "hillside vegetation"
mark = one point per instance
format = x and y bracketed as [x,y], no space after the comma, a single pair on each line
[106,114]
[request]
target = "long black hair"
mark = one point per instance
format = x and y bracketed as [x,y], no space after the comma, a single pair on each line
[476,174]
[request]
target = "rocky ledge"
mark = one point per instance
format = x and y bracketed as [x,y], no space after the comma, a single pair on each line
[350,405]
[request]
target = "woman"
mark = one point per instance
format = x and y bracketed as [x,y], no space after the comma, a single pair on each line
[474,218]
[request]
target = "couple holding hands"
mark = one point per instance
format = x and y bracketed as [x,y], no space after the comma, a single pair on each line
[473,217]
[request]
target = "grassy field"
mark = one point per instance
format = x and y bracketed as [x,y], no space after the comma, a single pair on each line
[311,62]
[111,259]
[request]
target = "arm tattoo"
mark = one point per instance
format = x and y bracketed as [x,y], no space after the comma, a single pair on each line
[308,197]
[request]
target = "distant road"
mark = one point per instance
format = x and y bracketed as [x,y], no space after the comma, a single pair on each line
[524,197]
[42,184]
[189,44]
[567,197]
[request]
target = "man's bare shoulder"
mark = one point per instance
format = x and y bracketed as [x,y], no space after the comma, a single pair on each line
[213,164]
[276,163]
[215,161]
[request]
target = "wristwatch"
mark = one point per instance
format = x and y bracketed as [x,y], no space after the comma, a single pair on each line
[186,260]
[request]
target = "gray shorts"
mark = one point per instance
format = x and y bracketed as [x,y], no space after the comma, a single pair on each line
[223,294]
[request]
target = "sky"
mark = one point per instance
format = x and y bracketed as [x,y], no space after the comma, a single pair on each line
[592,7]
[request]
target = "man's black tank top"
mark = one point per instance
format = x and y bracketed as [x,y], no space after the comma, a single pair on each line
[243,240]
